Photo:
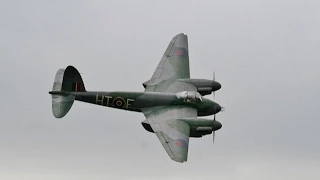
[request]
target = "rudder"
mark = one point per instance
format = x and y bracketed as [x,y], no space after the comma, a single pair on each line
[72,80]
[66,80]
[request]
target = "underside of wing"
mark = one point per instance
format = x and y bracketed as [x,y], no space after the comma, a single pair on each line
[172,133]
[174,65]
[174,137]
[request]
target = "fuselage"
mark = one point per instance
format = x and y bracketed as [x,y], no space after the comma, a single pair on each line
[136,101]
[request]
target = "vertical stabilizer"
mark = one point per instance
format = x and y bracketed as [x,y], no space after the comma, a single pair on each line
[66,80]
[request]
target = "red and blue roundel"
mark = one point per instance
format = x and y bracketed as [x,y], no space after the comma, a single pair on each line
[180,143]
[119,102]
[182,52]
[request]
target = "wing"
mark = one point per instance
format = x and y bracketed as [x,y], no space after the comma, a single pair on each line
[172,133]
[174,65]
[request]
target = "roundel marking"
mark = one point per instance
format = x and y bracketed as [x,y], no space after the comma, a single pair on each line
[119,102]
[181,143]
[179,52]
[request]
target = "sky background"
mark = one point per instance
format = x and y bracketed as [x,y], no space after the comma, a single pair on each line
[265,54]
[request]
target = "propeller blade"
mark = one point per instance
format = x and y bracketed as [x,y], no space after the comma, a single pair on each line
[214,116]
[213,132]
[214,75]
[214,78]
[213,135]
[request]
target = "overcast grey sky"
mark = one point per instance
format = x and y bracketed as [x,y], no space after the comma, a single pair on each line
[265,54]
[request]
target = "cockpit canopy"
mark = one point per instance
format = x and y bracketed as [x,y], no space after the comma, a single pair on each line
[189,96]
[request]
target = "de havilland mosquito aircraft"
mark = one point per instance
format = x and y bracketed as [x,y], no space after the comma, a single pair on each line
[171,101]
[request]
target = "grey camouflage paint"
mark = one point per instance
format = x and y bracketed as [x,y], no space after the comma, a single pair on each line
[172,120]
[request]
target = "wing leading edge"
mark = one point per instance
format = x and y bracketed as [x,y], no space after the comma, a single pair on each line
[174,65]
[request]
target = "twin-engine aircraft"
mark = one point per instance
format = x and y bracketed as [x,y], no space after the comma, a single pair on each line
[171,101]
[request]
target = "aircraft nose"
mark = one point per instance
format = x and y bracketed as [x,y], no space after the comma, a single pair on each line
[216,108]
[216,86]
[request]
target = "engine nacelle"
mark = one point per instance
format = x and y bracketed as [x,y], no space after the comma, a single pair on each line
[200,132]
[198,126]
[203,127]
[204,86]
[203,124]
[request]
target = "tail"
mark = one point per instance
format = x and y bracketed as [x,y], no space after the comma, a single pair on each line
[66,81]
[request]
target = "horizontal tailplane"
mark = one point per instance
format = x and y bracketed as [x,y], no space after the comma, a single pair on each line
[66,80]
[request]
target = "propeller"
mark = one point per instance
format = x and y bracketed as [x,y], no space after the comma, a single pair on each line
[214,116]
[216,87]
[214,78]
[213,132]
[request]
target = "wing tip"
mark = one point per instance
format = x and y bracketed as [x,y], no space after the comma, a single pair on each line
[179,160]
[181,34]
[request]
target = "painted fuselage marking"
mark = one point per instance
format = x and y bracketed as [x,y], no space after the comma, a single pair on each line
[118,101]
